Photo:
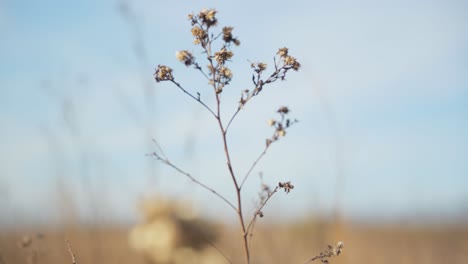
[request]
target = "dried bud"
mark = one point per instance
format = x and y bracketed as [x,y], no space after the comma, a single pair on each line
[283,110]
[282,132]
[271,122]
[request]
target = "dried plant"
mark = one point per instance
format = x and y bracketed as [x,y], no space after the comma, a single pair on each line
[70,250]
[219,75]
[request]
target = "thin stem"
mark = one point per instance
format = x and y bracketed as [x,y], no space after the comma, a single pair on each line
[253,166]
[218,249]
[232,118]
[201,70]
[259,209]
[193,97]
[228,157]
[71,252]
[159,148]
[167,162]
[238,192]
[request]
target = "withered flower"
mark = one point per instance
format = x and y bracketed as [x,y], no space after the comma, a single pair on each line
[227,36]
[225,72]
[199,34]
[291,61]
[227,33]
[207,17]
[258,67]
[223,55]
[186,57]
[163,73]
[287,186]
[283,52]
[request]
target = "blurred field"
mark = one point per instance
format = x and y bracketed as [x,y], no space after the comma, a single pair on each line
[273,243]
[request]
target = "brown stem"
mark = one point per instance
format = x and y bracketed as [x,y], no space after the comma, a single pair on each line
[228,157]
[232,118]
[193,97]
[259,209]
[238,190]
[72,255]
[170,164]
[253,166]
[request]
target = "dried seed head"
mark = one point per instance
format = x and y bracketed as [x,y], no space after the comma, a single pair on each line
[207,17]
[227,36]
[163,73]
[186,57]
[287,186]
[283,52]
[225,72]
[259,67]
[223,55]
[199,34]
[271,122]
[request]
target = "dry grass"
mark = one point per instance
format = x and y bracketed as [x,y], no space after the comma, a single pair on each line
[293,243]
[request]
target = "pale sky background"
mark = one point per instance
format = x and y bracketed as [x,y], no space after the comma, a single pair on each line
[382,100]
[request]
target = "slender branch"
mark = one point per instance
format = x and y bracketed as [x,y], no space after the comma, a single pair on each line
[193,97]
[218,249]
[159,148]
[215,38]
[71,252]
[314,258]
[331,251]
[170,164]
[238,192]
[253,166]
[198,67]
[258,87]
[232,118]
[259,209]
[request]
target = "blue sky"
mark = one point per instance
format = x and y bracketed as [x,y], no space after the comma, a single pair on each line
[382,98]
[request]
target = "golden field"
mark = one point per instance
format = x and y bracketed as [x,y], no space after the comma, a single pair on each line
[272,243]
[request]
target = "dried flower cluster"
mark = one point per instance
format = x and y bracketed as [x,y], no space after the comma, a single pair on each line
[283,62]
[331,251]
[280,125]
